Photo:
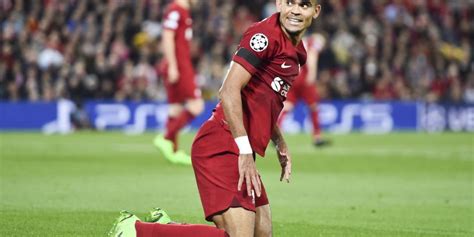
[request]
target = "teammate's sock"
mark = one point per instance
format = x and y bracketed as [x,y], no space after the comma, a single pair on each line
[175,124]
[170,124]
[171,134]
[317,138]
[315,122]
[281,118]
[174,230]
[184,118]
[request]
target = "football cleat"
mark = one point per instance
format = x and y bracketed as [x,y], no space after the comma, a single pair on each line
[158,215]
[124,225]
[180,157]
[322,142]
[166,148]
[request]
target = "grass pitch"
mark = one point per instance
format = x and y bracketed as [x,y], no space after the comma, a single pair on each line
[402,184]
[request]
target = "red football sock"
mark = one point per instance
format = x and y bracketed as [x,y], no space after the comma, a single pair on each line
[315,121]
[169,135]
[177,230]
[281,118]
[175,124]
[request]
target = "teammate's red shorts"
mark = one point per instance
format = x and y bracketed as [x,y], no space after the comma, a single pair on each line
[215,161]
[182,90]
[301,90]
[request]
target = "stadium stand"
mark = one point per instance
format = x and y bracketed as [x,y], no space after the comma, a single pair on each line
[97,49]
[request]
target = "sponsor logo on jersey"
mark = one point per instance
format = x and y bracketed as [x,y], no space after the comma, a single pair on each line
[280,86]
[259,42]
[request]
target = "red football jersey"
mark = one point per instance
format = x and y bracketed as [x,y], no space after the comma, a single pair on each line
[178,19]
[274,62]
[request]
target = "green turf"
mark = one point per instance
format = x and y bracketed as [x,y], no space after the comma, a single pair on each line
[400,184]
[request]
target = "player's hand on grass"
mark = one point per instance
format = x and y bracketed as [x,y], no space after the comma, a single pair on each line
[173,74]
[248,172]
[285,161]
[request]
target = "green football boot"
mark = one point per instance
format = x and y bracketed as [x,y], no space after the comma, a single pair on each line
[124,226]
[180,157]
[166,147]
[158,215]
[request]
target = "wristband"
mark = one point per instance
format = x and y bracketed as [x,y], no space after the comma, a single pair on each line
[244,145]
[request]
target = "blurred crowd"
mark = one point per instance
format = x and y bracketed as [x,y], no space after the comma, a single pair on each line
[110,49]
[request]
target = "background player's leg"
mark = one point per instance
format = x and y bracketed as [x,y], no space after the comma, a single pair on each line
[317,137]
[236,222]
[311,98]
[195,106]
[315,121]
[180,116]
[263,221]
[173,124]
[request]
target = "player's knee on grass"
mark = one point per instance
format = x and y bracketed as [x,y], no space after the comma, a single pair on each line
[239,222]
[195,106]
[263,231]
[219,222]
[263,221]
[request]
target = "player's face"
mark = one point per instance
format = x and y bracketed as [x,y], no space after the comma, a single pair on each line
[296,15]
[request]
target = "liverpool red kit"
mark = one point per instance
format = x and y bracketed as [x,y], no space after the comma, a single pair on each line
[177,19]
[274,62]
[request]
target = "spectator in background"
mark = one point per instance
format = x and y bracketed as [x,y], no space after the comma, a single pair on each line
[365,36]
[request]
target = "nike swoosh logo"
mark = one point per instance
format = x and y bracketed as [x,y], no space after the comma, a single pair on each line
[284,65]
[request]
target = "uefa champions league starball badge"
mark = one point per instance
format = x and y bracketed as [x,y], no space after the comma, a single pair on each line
[259,42]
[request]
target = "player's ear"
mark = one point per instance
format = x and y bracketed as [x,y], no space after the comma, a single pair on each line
[278,5]
[317,10]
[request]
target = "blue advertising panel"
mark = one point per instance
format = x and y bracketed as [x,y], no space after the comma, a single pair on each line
[26,116]
[136,117]
[441,117]
[347,116]
[334,116]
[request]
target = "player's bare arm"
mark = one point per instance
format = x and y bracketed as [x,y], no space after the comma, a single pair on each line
[230,95]
[317,44]
[312,64]
[283,154]
[170,55]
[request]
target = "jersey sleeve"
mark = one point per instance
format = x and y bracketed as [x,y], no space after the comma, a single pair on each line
[309,44]
[255,48]
[315,42]
[171,19]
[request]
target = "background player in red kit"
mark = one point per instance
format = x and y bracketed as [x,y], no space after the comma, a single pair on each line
[184,98]
[263,69]
[304,87]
